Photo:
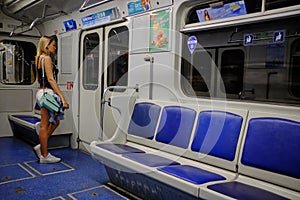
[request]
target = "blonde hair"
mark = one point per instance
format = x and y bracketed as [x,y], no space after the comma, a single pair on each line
[42,47]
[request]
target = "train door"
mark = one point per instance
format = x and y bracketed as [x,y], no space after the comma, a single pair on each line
[90,84]
[116,39]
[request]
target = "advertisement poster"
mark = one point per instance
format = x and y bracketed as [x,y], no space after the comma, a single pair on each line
[223,11]
[138,6]
[100,17]
[159,30]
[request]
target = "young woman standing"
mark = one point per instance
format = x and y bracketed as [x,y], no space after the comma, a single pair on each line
[47,46]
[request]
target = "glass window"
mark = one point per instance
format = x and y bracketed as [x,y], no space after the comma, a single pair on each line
[118,41]
[232,71]
[275,4]
[17,62]
[295,69]
[91,61]
[255,62]
[197,70]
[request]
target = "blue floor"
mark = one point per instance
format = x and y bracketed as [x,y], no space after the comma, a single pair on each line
[78,176]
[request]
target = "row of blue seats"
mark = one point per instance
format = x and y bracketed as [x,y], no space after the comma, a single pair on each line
[28,121]
[170,151]
[26,126]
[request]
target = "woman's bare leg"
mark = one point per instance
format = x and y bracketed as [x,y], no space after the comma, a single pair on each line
[44,131]
[52,127]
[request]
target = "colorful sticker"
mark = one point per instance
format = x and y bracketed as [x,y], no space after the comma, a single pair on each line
[70,25]
[192,43]
[138,6]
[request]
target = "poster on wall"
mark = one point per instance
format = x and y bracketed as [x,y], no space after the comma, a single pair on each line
[138,6]
[159,30]
[222,11]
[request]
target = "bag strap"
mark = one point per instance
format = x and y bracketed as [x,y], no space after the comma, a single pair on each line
[43,72]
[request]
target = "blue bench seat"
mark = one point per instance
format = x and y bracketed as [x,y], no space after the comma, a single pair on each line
[269,165]
[170,135]
[119,148]
[192,174]
[28,118]
[191,152]
[26,127]
[243,191]
[30,121]
[150,160]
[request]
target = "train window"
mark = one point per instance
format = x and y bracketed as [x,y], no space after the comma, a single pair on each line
[254,62]
[232,71]
[17,62]
[91,61]
[295,69]
[118,42]
[274,4]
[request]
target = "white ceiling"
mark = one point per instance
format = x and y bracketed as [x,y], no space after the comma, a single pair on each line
[28,10]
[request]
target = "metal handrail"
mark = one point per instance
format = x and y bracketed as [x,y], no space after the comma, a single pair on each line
[85,7]
[103,101]
[117,87]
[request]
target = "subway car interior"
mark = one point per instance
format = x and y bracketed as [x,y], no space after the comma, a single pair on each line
[168,99]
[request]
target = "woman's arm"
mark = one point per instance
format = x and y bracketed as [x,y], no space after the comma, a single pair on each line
[51,80]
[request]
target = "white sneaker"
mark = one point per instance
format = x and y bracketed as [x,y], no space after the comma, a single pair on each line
[49,159]
[37,150]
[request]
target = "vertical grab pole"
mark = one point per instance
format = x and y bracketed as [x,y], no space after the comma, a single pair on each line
[149,58]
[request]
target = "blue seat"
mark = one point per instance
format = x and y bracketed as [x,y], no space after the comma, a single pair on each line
[150,160]
[272,144]
[192,174]
[211,137]
[239,190]
[176,125]
[143,123]
[212,133]
[144,120]
[119,148]
[28,118]
[175,128]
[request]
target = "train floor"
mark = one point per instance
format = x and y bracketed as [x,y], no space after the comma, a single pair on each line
[77,176]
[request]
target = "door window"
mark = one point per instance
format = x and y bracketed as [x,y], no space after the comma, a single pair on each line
[91,61]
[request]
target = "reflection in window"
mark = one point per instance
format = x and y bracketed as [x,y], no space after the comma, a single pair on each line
[266,70]
[91,61]
[295,69]
[17,62]
[201,72]
[232,70]
[118,41]
[275,4]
